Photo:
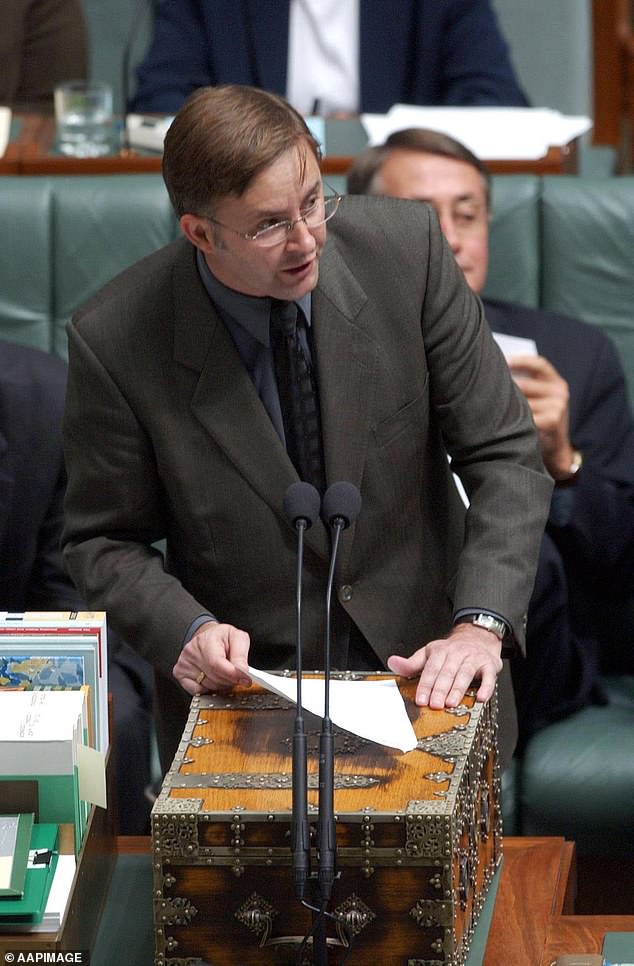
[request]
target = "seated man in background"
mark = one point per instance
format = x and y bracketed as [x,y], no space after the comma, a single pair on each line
[330,56]
[32,576]
[42,42]
[576,389]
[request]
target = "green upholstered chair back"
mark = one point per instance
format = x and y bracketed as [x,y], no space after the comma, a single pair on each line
[113,26]
[62,238]
[587,254]
[514,248]
[26,267]
[565,243]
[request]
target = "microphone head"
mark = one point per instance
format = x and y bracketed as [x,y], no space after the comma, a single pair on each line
[301,502]
[342,502]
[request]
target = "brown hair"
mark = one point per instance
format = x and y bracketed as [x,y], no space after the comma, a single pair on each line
[221,138]
[366,167]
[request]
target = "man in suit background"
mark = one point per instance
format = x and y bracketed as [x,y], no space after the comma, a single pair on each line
[578,619]
[330,56]
[172,431]
[32,577]
[42,42]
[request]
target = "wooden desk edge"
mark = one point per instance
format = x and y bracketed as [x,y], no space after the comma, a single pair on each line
[581,934]
[537,883]
[28,154]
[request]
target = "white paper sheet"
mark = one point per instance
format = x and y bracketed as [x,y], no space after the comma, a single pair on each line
[515,345]
[371,709]
[492,133]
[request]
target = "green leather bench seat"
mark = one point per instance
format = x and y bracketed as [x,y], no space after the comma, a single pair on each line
[577,776]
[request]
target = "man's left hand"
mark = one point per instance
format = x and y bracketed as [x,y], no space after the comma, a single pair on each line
[448,666]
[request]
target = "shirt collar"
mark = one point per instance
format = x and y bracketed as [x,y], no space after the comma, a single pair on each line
[251,312]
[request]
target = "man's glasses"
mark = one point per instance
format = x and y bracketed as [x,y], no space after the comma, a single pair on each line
[277,234]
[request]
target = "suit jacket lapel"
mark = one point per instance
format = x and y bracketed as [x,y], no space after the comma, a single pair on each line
[346,360]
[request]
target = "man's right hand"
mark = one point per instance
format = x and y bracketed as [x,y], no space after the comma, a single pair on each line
[221,652]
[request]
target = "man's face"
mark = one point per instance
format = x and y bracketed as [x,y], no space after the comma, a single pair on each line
[280,192]
[457,192]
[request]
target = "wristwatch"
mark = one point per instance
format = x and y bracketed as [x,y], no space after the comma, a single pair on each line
[489,622]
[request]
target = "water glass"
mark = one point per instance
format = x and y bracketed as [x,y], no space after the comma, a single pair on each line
[83,115]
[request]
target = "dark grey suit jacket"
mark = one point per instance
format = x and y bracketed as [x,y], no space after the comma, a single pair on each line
[166,438]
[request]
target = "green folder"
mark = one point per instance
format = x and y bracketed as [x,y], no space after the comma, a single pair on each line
[15,841]
[39,876]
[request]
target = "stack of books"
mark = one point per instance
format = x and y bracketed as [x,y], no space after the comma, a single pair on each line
[45,738]
[58,650]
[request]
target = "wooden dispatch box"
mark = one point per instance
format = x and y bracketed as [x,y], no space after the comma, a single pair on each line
[418,837]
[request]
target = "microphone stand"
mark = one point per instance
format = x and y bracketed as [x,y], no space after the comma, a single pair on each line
[301,506]
[326,832]
[326,829]
[342,503]
[300,830]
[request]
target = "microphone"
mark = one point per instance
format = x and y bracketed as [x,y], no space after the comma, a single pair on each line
[341,507]
[301,506]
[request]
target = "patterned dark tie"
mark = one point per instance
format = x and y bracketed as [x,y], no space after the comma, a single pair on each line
[297,390]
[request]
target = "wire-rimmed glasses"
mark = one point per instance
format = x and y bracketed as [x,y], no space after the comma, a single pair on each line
[277,234]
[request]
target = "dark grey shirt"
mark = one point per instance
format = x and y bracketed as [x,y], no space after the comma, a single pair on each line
[247,320]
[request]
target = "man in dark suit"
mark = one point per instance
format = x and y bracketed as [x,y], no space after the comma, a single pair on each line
[32,577]
[405,51]
[172,431]
[575,386]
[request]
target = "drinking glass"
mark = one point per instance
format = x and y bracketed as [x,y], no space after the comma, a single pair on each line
[83,115]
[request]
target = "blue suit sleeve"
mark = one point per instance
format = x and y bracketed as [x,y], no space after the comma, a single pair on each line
[178,60]
[477,68]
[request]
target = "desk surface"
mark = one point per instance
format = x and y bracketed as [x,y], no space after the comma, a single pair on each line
[581,934]
[536,891]
[31,151]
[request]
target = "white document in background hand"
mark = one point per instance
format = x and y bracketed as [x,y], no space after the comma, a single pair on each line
[371,709]
[515,345]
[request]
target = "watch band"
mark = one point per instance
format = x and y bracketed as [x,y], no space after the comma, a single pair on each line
[490,623]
